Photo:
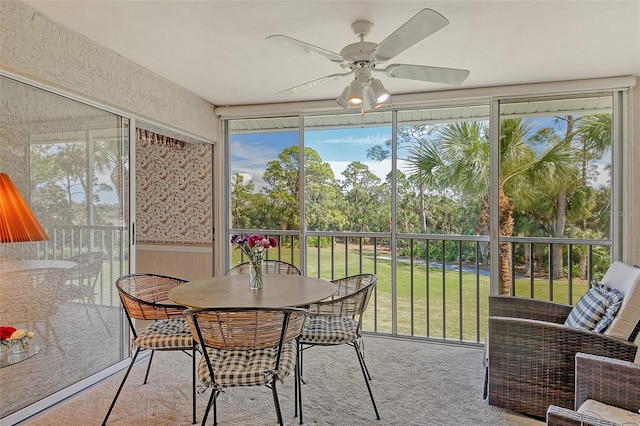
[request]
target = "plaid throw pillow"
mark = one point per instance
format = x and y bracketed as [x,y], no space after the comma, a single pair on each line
[596,308]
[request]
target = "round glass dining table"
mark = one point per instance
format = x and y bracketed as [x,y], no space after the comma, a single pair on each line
[232,291]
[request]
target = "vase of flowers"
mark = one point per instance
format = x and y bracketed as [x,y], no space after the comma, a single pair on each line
[254,246]
[5,342]
[14,340]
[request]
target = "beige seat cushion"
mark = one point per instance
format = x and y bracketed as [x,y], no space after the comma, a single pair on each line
[624,278]
[609,413]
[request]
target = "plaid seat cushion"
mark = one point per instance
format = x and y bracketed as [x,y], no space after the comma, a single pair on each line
[596,308]
[328,330]
[164,334]
[247,368]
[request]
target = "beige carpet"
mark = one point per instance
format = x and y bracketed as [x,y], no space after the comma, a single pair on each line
[414,383]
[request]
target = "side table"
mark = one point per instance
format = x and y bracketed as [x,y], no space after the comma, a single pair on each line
[8,358]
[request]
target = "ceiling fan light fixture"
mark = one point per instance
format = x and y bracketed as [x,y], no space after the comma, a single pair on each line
[370,100]
[343,99]
[355,93]
[380,94]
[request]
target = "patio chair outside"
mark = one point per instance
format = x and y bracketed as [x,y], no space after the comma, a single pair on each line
[246,347]
[87,272]
[144,297]
[338,321]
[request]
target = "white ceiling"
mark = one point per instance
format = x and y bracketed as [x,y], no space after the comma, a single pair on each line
[217,49]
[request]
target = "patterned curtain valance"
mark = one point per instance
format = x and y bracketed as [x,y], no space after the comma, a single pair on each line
[156,139]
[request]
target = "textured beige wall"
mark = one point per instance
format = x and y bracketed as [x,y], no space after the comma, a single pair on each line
[186,262]
[34,47]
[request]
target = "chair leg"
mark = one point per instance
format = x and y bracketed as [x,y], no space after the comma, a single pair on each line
[193,381]
[275,402]
[298,384]
[366,380]
[124,379]
[297,376]
[212,402]
[361,349]
[106,326]
[149,367]
[86,309]
[301,356]
[215,408]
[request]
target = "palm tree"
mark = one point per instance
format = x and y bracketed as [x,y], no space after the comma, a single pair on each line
[459,158]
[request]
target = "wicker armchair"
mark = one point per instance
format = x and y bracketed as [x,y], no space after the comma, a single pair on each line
[609,381]
[268,266]
[531,353]
[144,297]
[338,321]
[248,347]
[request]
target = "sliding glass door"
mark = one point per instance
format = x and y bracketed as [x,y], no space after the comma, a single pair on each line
[70,162]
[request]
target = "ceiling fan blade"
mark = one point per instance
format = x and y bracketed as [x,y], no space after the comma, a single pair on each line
[433,74]
[310,84]
[305,47]
[422,25]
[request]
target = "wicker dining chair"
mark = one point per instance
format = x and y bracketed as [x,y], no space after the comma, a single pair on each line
[268,267]
[601,383]
[245,347]
[144,297]
[338,321]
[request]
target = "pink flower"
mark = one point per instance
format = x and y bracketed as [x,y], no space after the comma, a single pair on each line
[253,245]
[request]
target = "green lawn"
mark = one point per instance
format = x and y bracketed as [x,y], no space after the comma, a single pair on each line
[437,300]
[436,306]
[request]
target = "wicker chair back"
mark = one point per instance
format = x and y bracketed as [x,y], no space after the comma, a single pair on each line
[231,329]
[144,296]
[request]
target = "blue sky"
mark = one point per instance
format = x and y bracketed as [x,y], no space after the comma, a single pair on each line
[251,152]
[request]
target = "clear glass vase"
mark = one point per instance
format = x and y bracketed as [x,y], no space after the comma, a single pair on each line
[255,274]
[19,346]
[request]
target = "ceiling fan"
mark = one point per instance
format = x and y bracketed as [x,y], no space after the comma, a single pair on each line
[364,58]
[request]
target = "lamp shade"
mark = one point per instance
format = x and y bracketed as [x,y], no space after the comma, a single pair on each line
[380,94]
[17,221]
[355,94]
[343,99]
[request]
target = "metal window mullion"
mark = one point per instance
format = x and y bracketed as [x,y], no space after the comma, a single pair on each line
[619,186]
[460,286]
[411,284]
[494,195]
[570,274]
[427,282]
[375,290]
[444,289]
[551,266]
[394,222]
[302,223]
[477,252]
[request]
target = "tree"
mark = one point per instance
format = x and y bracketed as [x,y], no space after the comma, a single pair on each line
[460,160]
[363,194]
[283,178]
[240,201]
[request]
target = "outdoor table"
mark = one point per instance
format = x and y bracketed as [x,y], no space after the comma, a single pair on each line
[232,291]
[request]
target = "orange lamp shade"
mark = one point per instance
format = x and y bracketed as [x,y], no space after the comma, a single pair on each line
[17,221]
